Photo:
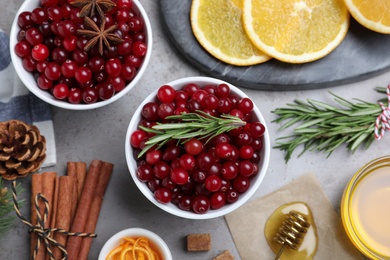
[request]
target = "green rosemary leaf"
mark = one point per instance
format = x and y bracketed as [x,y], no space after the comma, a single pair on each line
[189,125]
[325,127]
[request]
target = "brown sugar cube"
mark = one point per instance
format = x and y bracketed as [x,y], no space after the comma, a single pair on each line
[198,242]
[225,255]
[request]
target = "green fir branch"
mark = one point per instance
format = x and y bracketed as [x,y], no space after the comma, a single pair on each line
[7,216]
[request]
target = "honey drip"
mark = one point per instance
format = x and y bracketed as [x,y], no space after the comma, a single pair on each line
[308,247]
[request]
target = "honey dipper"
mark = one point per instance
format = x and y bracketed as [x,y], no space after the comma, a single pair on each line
[292,231]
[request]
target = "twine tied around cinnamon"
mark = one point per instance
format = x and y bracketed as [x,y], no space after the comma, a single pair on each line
[383,119]
[44,234]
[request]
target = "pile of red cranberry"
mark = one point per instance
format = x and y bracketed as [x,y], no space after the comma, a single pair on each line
[199,175]
[51,48]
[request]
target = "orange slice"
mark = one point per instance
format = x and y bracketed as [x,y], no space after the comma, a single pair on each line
[373,14]
[217,25]
[296,31]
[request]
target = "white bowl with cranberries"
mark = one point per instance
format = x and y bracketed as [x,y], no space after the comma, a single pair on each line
[58,54]
[197,176]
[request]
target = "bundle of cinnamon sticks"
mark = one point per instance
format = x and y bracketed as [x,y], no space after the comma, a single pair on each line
[75,200]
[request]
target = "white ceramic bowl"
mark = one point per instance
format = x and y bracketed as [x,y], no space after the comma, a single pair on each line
[28,79]
[170,207]
[155,240]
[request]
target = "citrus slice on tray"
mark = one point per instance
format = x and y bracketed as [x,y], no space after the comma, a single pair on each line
[217,25]
[296,31]
[373,14]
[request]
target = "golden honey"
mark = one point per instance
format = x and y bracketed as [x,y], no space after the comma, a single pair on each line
[308,248]
[365,209]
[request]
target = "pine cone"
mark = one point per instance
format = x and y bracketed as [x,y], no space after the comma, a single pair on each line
[22,149]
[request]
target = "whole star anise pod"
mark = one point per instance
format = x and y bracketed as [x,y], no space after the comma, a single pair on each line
[99,35]
[88,7]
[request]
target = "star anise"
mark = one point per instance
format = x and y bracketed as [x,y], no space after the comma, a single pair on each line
[99,35]
[88,7]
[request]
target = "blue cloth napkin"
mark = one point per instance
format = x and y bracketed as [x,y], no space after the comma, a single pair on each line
[16,102]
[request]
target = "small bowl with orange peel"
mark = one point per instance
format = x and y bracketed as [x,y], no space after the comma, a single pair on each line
[135,241]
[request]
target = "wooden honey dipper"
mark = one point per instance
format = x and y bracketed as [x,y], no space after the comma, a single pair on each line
[292,231]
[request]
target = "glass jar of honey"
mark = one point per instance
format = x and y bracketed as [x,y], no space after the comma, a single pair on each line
[365,209]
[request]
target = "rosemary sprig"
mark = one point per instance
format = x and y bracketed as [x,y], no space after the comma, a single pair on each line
[325,127]
[189,125]
[6,207]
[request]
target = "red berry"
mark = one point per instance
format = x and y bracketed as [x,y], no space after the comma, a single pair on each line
[166,94]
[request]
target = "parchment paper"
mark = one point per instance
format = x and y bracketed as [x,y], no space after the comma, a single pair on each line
[247,223]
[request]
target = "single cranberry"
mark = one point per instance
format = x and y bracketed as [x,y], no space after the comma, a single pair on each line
[22,49]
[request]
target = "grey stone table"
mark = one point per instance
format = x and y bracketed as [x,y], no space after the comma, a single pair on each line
[100,134]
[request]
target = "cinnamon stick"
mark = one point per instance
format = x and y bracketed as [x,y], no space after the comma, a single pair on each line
[103,180]
[63,220]
[81,172]
[36,187]
[48,184]
[54,212]
[71,171]
[82,213]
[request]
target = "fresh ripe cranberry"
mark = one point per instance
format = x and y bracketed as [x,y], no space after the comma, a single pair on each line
[24,20]
[117,82]
[83,74]
[213,183]
[179,176]
[223,150]
[257,144]
[246,152]
[68,68]
[60,91]
[90,95]
[29,63]
[22,49]
[44,83]
[166,94]
[245,105]
[163,195]
[210,101]
[164,110]
[136,23]
[241,183]
[66,28]
[34,36]
[144,172]
[185,203]
[187,161]
[54,13]
[256,130]
[39,15]
[191,88]
[149,111]
[153,184]
[161,169]
[232,196]
[204,161]
[181,96]
[125,47]
[59,55]
[133,60]
[244,138]
[171,152]
[245,168]
[70,43]
[139,49]
[193,146]
[75,96]
[200,204]
[128,72]
[153,156]
[222,90]
[199,95]
[217,200]
[113,67]
[49,2]
[137,137]
[229,170]
[125,4]
[168,183]
[224,105]
[105,90]
[53,71]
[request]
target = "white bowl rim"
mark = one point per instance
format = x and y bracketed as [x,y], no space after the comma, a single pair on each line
[47,97]
[173,209]
[114,241]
